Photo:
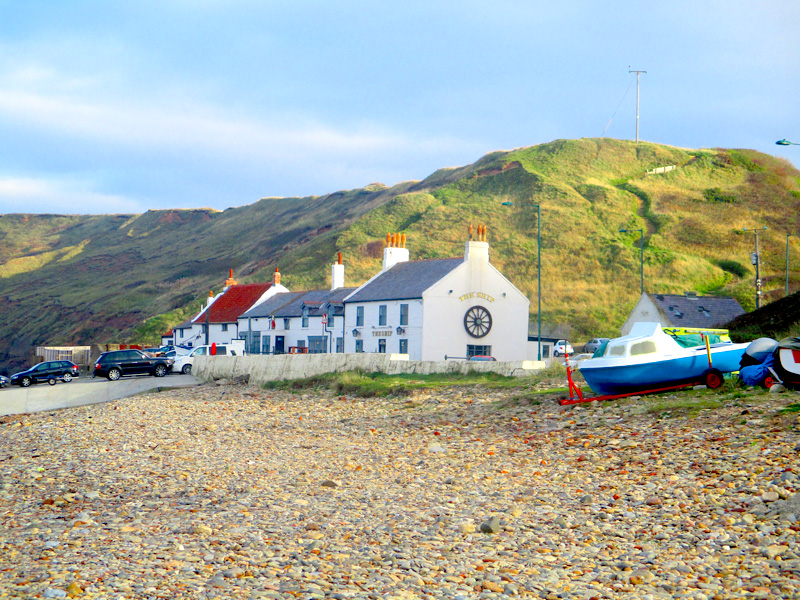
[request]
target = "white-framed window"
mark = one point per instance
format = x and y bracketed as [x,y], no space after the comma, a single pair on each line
[224,327]
[286,322]
[382,312]
[359,345]
[359,316]
[382,345]
[404,314]
[305,316]
[403,349]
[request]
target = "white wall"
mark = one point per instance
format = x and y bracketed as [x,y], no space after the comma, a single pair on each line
[645,311]
[371,332]
[475,284]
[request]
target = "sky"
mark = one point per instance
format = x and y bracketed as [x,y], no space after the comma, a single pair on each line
[127,106]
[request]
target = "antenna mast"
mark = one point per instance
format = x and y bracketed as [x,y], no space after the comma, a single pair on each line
[638,73]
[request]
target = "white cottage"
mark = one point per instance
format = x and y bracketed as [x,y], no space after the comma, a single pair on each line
[438,309]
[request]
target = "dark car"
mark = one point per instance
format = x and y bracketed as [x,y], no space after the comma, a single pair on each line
[3,381]
[117,363]
[51,371]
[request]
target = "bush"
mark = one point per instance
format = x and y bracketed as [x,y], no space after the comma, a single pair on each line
[717,195]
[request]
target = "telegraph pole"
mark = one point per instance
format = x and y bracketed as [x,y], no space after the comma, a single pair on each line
[638,73]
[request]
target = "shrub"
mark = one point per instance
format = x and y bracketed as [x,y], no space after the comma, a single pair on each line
[731,266]
[717,195]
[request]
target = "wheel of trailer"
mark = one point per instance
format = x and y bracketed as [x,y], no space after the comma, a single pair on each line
[714,378]
[51,381]
[769,381]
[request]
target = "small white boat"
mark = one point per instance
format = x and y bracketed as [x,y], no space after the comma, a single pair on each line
[650,359]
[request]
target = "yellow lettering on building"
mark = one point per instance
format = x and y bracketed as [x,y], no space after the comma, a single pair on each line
[481,295]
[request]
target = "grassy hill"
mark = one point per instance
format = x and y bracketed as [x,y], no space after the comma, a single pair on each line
[81,279]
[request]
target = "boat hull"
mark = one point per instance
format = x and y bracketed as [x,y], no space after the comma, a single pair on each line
[610,377]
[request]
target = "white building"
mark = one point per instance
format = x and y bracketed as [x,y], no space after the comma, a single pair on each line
[311,321]
[433,309]
[687,310]
[218,321]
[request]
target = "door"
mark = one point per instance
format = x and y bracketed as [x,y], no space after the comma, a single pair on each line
[278,344]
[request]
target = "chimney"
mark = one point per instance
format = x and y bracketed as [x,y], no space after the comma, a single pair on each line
[230,280]
[395,251]
[276,277]
[210,298]
[337,274]
[477,251]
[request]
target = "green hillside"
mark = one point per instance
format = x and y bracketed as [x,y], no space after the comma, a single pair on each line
[81,279]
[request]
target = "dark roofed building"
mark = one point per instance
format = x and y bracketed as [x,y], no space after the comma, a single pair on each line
[687,310]
[405,280]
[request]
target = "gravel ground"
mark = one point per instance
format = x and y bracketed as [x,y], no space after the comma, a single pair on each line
[236,492]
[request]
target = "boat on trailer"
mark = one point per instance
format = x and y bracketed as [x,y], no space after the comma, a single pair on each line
[649,359]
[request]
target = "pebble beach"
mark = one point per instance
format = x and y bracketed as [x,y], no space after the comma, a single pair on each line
[231,491]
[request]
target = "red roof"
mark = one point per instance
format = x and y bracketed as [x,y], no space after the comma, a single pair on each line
[234,302]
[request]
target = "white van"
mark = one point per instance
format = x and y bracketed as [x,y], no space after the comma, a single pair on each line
[183,364]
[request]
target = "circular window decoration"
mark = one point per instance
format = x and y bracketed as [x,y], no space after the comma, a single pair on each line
[477,321]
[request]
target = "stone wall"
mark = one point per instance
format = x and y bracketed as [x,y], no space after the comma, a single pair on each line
[259,369]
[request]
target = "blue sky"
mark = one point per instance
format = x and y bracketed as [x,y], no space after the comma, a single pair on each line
[125,106]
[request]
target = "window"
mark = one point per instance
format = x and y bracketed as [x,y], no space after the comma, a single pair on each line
[359,345]
[180,331]
[286,323]
[618,350]
[382,315]
[403,346]
[330,321]
[224,327]
[339,345]
[359,316]
[301,343]
[476,350]
[382,345]
[305,317]
[404,314]
[645,347]
[205,328]
[265,344]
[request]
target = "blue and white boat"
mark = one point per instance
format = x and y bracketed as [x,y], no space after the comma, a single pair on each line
[650,359]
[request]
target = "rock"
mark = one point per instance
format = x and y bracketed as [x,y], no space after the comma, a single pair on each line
[330,483]
[777,388]
[491,525]
[770,496]
[653,501]
[467,527]
[202,529]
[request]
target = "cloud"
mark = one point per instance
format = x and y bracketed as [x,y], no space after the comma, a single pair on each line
[18,195]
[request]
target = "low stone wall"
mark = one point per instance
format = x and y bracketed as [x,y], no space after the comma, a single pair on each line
[259,369]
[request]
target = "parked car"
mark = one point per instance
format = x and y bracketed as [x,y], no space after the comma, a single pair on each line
[117,363]
[562,347]
[482,358]
[183,364]
[50,371]
[595,343]
[3,381]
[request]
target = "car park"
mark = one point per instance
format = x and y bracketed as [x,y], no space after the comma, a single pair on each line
[117,363]
[594,344]
[183,364]
[562,347]
[50,371]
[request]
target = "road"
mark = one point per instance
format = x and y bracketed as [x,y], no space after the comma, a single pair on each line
[85,390]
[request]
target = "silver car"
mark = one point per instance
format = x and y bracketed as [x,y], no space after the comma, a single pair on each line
[595,343]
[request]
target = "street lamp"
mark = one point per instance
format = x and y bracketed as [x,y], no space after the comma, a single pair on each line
[755,259]
[641,244]
[786,143]
[788,235]
[539,270]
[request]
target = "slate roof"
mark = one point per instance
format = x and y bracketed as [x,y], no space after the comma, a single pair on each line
[270,305]
[405,280]
[697,311]
[235,301]
[290,304]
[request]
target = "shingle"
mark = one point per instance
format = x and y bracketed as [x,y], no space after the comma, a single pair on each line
[270,305]
[405,280]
